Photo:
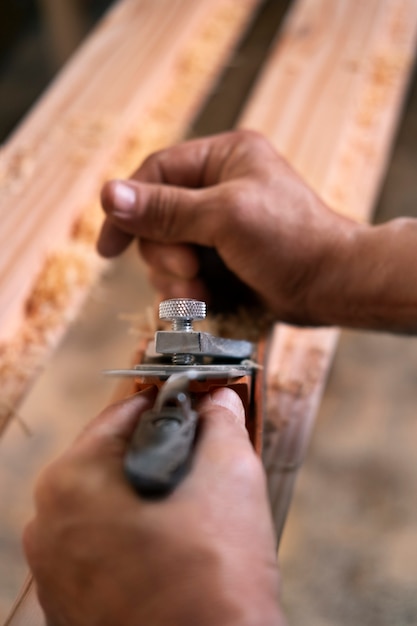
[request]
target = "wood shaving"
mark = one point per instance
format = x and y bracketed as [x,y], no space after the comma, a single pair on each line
[87,226]
[87,133]
[54,302]
[16,168]
[69,273]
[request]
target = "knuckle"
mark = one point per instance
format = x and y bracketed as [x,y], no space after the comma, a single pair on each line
[246,134]
[151,162]
[56,487]
[236,195]
[252,138]
[163,212]
[238,201]
[246,468]
[403,223]
[256,151]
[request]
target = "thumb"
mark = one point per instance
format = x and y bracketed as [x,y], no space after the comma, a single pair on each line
[224,453]
[226,402]
[222,435]
[162,213]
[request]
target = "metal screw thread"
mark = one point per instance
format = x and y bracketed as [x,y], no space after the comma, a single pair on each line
[183,359]
[182,324]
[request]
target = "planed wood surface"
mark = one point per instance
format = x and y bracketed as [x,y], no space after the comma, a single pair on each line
[133,87]
[329,99]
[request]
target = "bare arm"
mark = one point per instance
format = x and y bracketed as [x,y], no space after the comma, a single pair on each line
[372,283]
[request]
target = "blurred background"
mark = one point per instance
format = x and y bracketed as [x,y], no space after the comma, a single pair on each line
[36,38]
[349,551]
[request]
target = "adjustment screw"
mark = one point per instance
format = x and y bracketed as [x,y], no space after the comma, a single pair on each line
[182,312]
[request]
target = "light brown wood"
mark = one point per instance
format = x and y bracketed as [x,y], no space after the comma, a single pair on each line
[329,99]
[133,87]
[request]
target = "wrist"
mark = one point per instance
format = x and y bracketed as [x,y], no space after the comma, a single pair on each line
[366,279]
[254,609]
[340,281]
[228,596]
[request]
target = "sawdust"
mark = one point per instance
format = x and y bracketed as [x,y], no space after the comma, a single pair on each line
[16,169]
[53,304]
[87,226]
[70,272]
[63,273]
[87,133]
[383,73]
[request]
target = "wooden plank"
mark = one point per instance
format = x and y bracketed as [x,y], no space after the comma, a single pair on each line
[177,49]
[323,103]
[133,87]
[329,99]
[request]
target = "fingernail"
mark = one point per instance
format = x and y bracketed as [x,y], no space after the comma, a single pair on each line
[124,196]
[229,399]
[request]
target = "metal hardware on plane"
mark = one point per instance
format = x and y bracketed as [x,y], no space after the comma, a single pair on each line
[184,363]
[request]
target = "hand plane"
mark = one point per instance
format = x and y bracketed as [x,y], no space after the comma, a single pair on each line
[184,363]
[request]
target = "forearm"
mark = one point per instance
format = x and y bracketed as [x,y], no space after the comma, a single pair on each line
[370,279]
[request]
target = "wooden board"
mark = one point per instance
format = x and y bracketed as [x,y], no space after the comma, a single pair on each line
[329,99]
[133,87]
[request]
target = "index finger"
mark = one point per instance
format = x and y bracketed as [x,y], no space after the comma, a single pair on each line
[192,164]
[195,163]
[182,165]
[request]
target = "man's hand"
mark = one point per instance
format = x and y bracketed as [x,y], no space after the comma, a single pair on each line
[205,555]
[234,194]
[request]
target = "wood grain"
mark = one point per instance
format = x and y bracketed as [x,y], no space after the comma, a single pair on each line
[133,87]
[329,99]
